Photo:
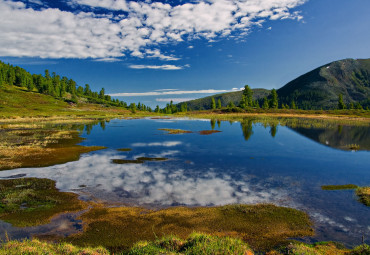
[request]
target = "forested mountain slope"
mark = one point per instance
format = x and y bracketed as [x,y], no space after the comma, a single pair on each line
[321,87]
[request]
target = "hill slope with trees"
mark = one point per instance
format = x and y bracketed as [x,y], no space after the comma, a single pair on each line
[321,87]
[205,103]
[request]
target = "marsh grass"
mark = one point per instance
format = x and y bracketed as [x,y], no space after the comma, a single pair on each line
[339,187]
[175,131]
[38,144]
[364,195]
[31,201]
[262,226]
[196,243]
[37,247]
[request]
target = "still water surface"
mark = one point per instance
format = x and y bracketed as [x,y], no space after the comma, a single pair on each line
[248,162]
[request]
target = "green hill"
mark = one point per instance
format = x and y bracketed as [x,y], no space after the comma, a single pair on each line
[235,97]
[321,87]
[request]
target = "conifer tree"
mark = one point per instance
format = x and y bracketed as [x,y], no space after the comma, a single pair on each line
[213,104]
[219,106]
[265,104]
[274,103]
[341,104]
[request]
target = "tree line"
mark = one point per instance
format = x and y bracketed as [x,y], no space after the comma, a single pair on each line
[59,87]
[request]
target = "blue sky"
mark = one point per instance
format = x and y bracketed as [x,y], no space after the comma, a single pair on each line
[181,49]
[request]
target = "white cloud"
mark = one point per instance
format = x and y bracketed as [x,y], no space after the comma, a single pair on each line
[165,89]
[139,26]
[161,67]
[174,92]
[175,100]
[107,59]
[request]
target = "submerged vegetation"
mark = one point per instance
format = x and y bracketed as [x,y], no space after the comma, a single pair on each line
[31,201]
[262,226]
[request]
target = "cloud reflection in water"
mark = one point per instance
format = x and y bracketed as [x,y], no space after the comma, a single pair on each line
[152,183]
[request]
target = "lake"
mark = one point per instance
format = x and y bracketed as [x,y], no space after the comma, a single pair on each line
[248,162]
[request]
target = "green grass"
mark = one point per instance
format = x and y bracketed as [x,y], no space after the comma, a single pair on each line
[339,187]
[31,201]
[196,243]
[37,247]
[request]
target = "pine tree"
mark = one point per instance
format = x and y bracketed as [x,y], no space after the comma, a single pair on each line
[341,104]
[274,103]
[265,104]
[219,106]
[213,104]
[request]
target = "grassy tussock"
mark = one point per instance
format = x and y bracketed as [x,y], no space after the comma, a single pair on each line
[364,195]
[261,226]
[38,247]
[209,132]
[196,243]
[31,201]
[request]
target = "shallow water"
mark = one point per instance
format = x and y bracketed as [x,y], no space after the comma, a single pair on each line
[247,162]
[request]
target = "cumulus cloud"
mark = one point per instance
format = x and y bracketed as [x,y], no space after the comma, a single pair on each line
[156,67]
[108,29]
[171,92]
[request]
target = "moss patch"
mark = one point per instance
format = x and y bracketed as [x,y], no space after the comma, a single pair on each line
[31,201]
[364,195]
[339,187]
[175,131]
[262,226]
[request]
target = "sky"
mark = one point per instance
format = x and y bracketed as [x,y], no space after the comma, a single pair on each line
[156,51]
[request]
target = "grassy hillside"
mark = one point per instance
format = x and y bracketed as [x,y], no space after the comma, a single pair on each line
[18,102]
[321,87]
[226,98]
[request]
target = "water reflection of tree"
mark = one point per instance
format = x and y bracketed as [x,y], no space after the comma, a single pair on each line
[102,124]
[219,123]
[247,128]
[213,124]
[273,130]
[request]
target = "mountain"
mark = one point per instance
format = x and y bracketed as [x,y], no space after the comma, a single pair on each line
[235,97]
[321,87]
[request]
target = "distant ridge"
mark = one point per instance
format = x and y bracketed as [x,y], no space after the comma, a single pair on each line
[316,89]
